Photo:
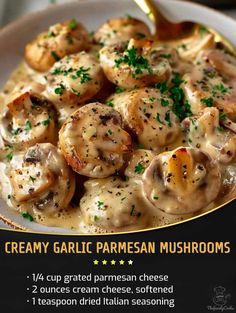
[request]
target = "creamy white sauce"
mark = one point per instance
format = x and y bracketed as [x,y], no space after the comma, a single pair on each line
[71,218]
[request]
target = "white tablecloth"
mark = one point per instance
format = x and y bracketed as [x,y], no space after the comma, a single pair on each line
[12,9]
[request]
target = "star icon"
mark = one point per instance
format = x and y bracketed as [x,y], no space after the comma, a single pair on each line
[104,262]
[113,262]
[95,262]
[130,262]
[122,262]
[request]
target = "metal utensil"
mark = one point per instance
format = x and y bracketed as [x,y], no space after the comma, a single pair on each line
[166,30]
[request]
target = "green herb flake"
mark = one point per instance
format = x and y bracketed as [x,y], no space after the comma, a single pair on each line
[167,119]
[223,116]
[138,62]
[16,131]
[96,218]
[162,87]
[119,90]
[51,34]
[55,56]
[33,179]
[73,24]
[100,205]
[132,212]
[164,102]
[140,35]
[83,74]
[28,126]
[59,90]
[158,118]
[27,216]
[46,122]
[155,198]
[165,56]
[9,155]
[110,103]
[109,132]
[220,128]
[76,92]
[208,101]
[139,168]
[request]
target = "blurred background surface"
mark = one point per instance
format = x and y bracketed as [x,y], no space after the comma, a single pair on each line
[11,9]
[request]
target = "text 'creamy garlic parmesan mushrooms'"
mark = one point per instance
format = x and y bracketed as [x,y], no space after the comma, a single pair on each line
[114,131]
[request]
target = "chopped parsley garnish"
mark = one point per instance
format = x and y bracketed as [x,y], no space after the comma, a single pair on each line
[46,122]
[159,119]
[207,101]
[76,92]
[220,88]
[100,205]
[83,74]
[139,168]
[203,30]
[27,216]
[165,56]
[155,198]
[9,155]
[180,107]
[28,126]
[140,35]
[164,102]
[59,90]
[138,62]
[55,56]
[119,90]
[220,128]
[223,116]
[162,86]
[96,218]
[16,131]
[167,118]
[33,179]
[73,24]
[109,132]
[110,103]
[140,146]
[132,212]
[51,34]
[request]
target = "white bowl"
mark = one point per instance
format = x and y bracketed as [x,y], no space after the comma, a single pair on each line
[92,13]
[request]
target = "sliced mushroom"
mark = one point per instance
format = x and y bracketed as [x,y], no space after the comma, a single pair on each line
[182,181]
[204,132]
[74,80]
[93,141]
[27,120]
[212,82]
[138,163]
[41,180]
[139,64]
[147,114]
[112,204]
[60,40]
[120,30]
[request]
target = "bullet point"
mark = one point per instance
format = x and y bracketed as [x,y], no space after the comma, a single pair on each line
[27,300]
[27,288]
[27,276]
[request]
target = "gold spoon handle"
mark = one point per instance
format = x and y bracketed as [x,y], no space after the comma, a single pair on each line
[165,30]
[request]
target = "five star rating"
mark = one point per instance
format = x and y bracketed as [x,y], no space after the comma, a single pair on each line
[113,262]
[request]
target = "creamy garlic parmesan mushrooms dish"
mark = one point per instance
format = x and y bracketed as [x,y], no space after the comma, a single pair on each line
[114,131]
